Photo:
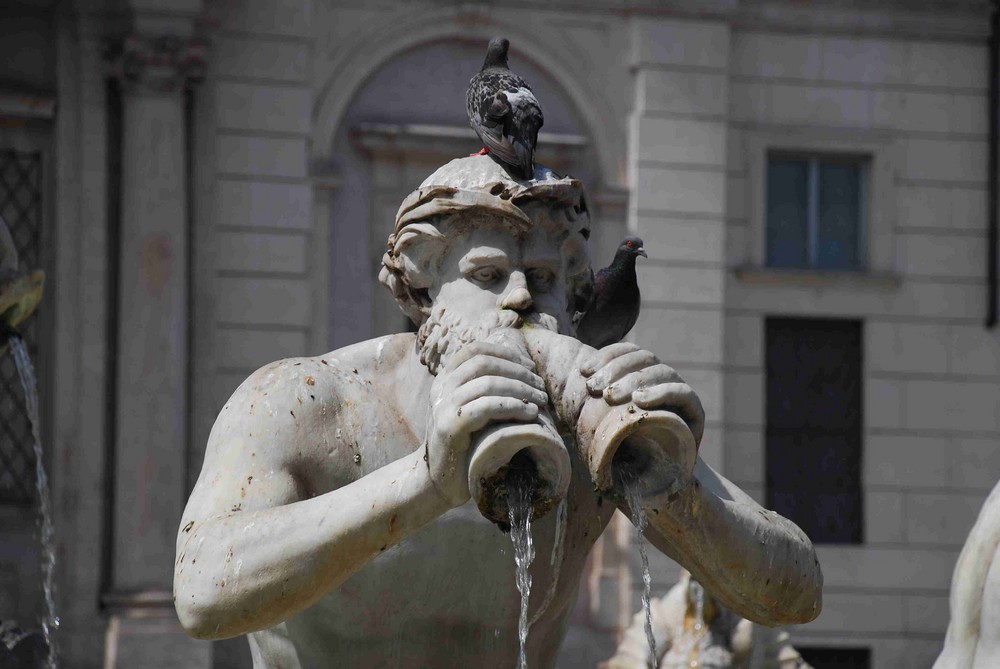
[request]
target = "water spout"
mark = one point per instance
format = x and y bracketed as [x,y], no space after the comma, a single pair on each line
[521,492]
[20,293]
[26,373]
[628,484]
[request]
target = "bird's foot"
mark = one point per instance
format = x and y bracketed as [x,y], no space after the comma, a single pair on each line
[482,152]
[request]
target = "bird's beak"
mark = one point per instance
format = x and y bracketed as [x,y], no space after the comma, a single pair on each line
[641,251]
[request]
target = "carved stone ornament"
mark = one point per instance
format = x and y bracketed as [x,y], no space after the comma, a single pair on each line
[163,63]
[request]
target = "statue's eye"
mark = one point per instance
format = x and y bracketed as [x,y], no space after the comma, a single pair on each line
[540,280]
[485,275]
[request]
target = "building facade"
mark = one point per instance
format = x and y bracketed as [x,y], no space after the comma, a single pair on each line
[211,182]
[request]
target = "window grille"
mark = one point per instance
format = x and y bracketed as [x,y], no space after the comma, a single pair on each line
[21,208]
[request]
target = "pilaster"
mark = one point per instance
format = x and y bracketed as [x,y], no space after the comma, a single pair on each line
[154,66]
[677,172]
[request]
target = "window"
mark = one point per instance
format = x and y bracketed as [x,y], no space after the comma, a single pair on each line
[814,425]
[21,209]
[816,211]
[837,658]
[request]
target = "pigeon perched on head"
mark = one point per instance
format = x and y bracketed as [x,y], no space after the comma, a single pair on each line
[504,112]
[615,307]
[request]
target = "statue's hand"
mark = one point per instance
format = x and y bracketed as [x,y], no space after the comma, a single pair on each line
[624,372]
[482,383]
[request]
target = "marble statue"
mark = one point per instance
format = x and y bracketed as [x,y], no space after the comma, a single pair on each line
[973,637]
[693,630]
[350,508]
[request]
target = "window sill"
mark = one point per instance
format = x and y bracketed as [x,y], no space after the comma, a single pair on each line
[817,278]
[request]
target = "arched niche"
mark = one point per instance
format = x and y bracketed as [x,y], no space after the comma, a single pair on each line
[405,119]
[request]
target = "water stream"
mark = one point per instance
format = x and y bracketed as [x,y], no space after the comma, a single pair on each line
[555,560]
[690,640]
[26,372]
[628,483]
[520,490]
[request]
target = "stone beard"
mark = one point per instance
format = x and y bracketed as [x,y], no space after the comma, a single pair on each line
[442,334]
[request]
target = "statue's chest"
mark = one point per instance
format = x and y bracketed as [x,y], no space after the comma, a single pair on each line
[459,571]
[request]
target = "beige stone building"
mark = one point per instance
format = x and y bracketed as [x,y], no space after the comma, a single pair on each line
[209,184]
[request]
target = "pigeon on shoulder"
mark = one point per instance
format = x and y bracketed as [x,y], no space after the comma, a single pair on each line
[615,307]
[504,113]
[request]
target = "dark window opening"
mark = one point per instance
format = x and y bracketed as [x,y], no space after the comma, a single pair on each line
[837,658]
[814,426]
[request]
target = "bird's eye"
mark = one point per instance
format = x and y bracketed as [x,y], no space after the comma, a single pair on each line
[628,244]
[485,275]
[540,280]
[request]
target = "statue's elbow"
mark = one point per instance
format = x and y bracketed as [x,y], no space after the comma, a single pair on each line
[809,603]
[198,614]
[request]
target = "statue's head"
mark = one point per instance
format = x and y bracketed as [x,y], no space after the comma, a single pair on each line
[473,250]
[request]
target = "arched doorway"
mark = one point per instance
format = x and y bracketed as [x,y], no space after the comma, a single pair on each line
[407,119]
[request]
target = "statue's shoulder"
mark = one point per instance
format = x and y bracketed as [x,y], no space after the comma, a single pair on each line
[379,355]
[301,395]
[330,375]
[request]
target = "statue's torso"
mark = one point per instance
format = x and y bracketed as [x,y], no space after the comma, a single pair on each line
[446,596]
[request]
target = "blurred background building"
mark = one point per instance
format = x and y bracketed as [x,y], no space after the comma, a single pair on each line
[209,185]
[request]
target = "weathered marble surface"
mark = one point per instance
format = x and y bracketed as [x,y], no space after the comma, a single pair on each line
[973,637]
[332,519]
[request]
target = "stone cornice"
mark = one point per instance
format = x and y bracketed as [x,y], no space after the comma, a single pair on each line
[960,20]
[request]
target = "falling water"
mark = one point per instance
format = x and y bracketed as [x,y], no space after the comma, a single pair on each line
[699,605]
[25,370]
[628,482]
[520,490]
[555,560]
[691,649]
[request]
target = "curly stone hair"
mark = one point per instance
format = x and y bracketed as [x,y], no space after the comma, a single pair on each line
[427,217]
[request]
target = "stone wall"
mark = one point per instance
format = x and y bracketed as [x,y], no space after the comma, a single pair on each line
[931,444]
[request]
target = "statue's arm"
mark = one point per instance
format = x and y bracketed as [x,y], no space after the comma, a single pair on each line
[254,546]
[756,562]
[759,564]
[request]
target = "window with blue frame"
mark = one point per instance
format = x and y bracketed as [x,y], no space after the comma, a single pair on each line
[816,211]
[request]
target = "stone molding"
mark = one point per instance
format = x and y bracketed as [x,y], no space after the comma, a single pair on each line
[159,64]
[340,74]
[389,141]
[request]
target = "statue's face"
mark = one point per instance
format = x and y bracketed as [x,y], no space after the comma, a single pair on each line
[488,269]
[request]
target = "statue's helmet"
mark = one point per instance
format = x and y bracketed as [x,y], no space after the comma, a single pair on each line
[475,191]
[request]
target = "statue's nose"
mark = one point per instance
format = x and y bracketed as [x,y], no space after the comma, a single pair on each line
[516,297]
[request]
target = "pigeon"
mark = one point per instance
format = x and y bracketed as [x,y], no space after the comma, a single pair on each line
[615,307]
[504,113]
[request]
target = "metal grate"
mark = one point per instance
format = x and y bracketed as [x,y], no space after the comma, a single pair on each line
[21,209]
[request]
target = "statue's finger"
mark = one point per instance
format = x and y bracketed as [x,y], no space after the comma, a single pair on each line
[478,413]
[489,349]
[602,357]
[498,386]
[618,368]
[483,365]
[676,397]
